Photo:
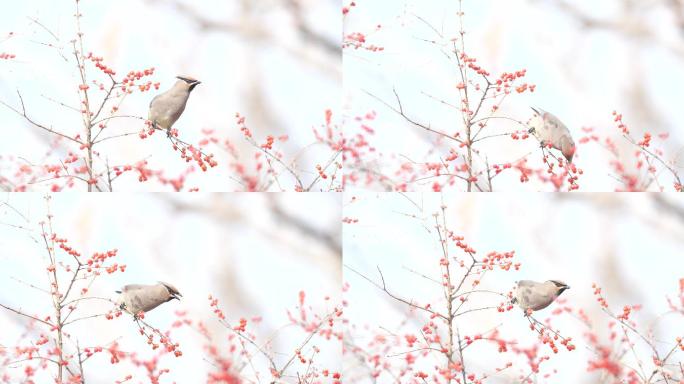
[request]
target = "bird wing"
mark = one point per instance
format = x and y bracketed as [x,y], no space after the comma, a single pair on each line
[152,114]
[557,128]
[155,99]
[143,297]
[166,108]
[525,293]
[151,301]
[133,287]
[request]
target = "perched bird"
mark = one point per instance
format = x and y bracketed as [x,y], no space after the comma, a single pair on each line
[549,130]
[535,296]
[137,297]
[167,107]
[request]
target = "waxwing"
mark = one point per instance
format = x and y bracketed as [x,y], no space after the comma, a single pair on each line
[535,296]
[549,130]
[167,107]
[137,297]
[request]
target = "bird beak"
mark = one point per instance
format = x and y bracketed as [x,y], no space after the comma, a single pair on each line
[535,111]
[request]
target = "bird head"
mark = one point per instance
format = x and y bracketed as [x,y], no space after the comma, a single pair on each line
[173,291]
[120,303]
[560,286]
[537,121]
[190,82]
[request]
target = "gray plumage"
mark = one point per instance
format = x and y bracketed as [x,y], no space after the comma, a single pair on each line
[166,108]
[138,297]
[535,296]
[548,129]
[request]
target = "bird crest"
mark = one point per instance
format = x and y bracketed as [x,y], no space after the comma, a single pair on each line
[173,291]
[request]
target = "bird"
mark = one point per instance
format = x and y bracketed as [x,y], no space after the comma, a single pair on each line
[549,130]
[167,107]
[535,296]
[136,298]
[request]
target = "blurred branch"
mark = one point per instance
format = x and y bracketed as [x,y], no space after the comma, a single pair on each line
[587,20]
[330,240]
[678,11]
[305,31]
[204,23]
[668,206]
[221,212]
[631,23]
[257,31]
[226,213]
